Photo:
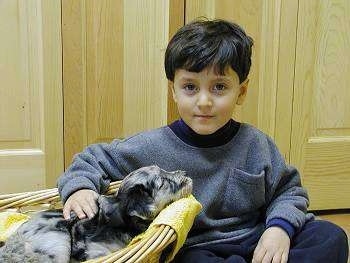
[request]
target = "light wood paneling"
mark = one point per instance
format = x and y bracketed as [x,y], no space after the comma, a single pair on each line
[31,152]
[321,117]
[114,80]
[104,70]
[22,170]
[199,8]
[13,64]
[74,77]
[93,74]
[52,86]
[146,34]
[288,16]
[176,20]
[21,70]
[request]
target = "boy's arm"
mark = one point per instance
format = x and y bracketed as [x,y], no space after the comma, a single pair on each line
[287,200]
[287,203]
[93,169]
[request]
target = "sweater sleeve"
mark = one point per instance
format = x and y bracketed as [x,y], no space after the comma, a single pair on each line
[286,198]
[285,225]
[94,169]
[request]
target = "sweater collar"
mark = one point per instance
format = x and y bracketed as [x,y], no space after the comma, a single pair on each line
[218,138]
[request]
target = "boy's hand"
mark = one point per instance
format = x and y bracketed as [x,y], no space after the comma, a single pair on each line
[83,203]
[273,246]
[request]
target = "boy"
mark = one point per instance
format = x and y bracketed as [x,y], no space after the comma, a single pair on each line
[254,208]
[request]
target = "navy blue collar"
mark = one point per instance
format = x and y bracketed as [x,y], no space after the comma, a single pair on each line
[218,138]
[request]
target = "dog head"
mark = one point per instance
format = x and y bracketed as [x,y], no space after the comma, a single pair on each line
[146,191]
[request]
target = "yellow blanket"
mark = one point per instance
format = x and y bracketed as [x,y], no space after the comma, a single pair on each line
[9,222]
[180,216]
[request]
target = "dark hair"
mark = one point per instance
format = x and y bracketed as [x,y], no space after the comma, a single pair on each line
[204,43]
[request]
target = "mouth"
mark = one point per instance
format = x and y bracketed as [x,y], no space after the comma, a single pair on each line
[203,116]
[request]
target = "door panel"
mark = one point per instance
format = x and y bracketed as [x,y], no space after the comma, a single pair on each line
[114,80]
[320,144]
[31,152]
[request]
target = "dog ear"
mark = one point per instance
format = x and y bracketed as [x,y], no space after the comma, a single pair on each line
[109,210]
[139,190]
[138,200]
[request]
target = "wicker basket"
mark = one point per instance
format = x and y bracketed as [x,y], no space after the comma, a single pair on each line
[147,249]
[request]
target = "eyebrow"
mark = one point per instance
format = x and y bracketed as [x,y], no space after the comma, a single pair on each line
[220,78]
[223,78]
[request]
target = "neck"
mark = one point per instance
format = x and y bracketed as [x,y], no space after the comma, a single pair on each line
[218,138]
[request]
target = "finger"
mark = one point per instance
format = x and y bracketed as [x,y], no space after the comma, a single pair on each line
[92,201]
[79,211]
[88,211]
[277,258]
[267,258]
[66,212]
[86,208]
[284,258]
[90,206]
[259,254]
[94,208]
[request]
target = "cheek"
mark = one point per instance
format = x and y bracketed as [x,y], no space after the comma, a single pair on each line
[183,105]
[226,107]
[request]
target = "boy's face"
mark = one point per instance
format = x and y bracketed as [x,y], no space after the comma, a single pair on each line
[205,100]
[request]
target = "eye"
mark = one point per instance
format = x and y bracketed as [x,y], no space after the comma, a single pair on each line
[219,88]
[162,184]
[148,191]
[190,88]
[157,184]
[141,190]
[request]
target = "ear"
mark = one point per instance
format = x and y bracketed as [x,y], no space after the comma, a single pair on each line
[139,190]
[173,91]
[110,211]
[242,92]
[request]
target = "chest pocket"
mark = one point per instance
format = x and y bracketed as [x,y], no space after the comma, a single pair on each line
[245,193]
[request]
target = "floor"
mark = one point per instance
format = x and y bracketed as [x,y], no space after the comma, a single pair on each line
[341,218]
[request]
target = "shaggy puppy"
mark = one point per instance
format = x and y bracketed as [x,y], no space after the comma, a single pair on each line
[48,237]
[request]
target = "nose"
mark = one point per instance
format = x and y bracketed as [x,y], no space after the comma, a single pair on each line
[204,99]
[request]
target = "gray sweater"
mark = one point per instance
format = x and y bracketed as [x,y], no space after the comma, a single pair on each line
[241,185]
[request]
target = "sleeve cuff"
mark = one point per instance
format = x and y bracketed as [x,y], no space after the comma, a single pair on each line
[285,225]
[75,184]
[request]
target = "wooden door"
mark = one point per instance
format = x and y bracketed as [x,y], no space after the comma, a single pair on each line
[320,144]
[31,146]
[113,73]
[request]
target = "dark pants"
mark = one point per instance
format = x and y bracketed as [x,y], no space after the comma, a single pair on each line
[318,242]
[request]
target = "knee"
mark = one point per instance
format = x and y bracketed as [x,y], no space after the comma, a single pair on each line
[333,232]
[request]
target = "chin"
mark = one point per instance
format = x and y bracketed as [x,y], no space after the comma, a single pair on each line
[205,131]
